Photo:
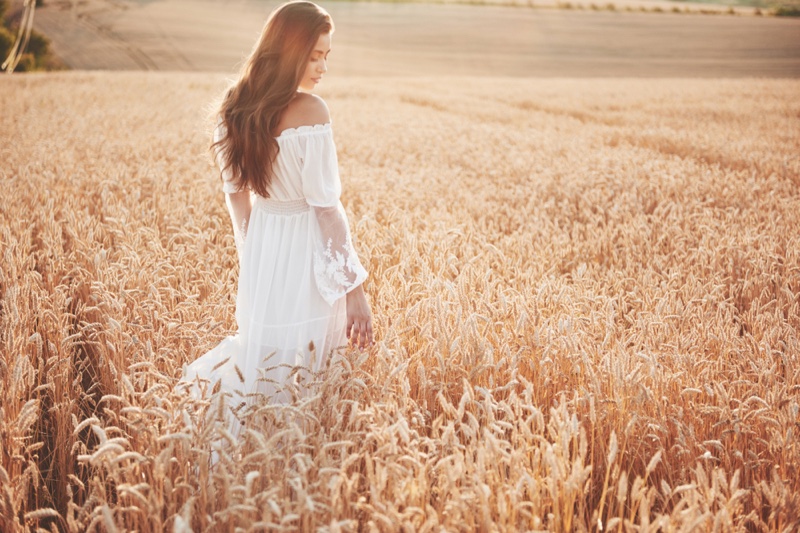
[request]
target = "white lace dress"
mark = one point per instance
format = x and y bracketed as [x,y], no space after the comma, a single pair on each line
[297,263]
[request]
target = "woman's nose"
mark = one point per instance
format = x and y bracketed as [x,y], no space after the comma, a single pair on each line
[323,66]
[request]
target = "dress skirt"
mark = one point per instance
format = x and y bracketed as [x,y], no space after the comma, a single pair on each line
[296,265]
[285,327]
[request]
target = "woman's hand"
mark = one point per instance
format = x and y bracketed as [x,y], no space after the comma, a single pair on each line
[359,318]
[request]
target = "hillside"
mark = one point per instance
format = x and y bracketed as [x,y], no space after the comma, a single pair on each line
[408,39]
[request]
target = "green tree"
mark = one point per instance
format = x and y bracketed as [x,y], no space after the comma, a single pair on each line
[26,63]
[38,44]
[6,43]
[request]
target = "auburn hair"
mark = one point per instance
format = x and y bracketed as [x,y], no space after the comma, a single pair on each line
[252,107]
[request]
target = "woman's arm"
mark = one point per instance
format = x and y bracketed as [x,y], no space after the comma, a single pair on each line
[239,207]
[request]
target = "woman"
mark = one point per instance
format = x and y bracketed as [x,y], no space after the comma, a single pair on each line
[300,292]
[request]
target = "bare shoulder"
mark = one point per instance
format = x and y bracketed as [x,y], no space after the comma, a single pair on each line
[304,110]
[313,107]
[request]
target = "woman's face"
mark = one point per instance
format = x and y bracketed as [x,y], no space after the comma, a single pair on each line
[317,63]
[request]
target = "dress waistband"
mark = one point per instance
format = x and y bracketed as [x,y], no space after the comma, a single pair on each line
[281,207]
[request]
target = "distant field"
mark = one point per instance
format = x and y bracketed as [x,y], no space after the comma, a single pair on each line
[408,39]
[585,292]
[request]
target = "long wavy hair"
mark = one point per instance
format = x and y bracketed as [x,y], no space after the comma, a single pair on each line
[252,107]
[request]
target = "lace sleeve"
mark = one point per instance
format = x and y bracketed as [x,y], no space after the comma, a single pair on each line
[239,206]
[337,268]
[336,265]
[229,185]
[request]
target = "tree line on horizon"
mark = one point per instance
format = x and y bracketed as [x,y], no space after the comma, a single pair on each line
[37,54]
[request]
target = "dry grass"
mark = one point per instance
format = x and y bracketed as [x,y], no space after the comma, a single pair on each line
[586,294]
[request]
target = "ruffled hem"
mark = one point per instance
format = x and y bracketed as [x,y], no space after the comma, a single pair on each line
[306,128]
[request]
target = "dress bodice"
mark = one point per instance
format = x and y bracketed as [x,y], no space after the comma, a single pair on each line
[306,181]
[306,166]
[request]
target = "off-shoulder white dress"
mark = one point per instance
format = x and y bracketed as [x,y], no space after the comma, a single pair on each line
[297,262]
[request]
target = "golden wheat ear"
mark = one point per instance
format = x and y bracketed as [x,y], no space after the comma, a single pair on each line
[586,292]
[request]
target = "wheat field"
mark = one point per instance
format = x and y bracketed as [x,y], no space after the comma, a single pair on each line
[585,295]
